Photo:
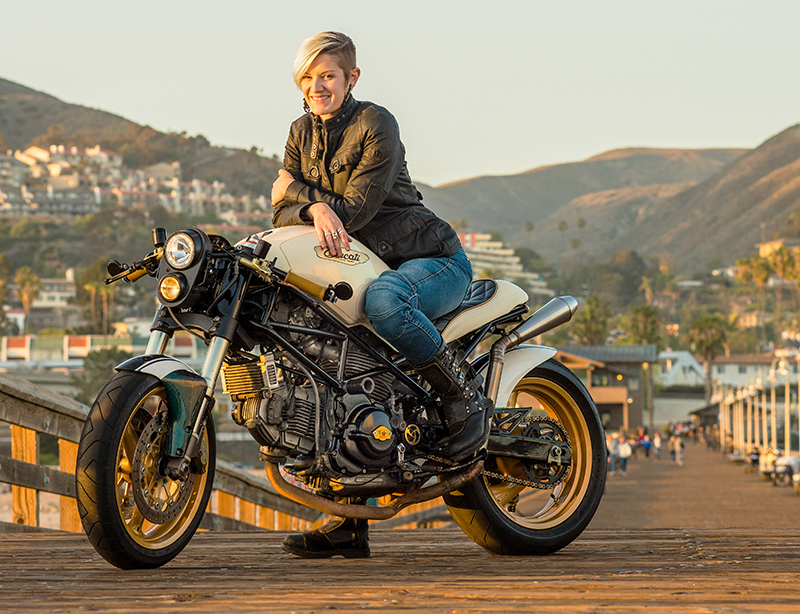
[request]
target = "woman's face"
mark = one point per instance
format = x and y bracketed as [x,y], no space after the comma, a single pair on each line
[324,85]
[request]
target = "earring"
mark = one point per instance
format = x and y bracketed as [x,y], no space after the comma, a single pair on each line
[306,108]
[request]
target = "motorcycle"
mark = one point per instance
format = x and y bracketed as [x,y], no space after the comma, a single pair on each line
[330,403]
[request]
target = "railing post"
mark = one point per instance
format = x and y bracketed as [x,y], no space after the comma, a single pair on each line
[67,460]
[24,501]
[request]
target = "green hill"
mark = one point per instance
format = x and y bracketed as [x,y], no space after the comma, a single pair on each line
[29,117]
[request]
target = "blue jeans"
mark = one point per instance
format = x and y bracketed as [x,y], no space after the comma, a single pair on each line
[401,304]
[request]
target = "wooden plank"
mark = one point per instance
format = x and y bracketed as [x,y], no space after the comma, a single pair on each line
[247,512]
[266,518]
[25,501]
[226,504]
[38,418]
[12,527]
[215,522]
[70,519]
[284,521]
[31,394]
[36,477]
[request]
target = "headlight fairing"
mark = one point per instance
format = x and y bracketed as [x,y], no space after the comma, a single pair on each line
[181,250]
[182,270]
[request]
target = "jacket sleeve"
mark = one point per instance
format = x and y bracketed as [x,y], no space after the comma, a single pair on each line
[381,162]
[288,212]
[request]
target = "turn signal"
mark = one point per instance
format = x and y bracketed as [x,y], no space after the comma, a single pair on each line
[170,288]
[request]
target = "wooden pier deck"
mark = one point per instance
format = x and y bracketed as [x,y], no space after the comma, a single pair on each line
[743,555]
[420,570]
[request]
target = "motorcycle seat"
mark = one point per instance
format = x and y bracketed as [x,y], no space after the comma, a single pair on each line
[486,300]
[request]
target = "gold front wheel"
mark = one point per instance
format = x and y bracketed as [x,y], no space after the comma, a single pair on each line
[133,514]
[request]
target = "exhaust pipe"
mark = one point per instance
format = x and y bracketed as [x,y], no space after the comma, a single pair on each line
[555,313]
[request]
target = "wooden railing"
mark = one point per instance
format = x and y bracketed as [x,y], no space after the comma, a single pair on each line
[243,501]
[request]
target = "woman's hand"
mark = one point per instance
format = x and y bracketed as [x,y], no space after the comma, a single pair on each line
[330,230]
[280,185]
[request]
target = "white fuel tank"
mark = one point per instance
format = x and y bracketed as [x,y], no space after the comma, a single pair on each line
[297,251]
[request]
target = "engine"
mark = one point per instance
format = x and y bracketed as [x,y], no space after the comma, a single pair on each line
[281,404]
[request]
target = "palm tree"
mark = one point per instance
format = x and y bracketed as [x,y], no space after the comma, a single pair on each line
[590,325]
[644,326]
[709,336]
[781,261]
[756,269]
[28,286]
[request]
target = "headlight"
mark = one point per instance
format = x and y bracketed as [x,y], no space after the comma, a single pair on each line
[171,287]
[180,251]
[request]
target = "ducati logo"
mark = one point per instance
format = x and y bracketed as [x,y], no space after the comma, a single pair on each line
[351,258]
[382,433]
[412,434]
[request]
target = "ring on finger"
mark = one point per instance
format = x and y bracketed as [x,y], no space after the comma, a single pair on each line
[335,235]
[327,234]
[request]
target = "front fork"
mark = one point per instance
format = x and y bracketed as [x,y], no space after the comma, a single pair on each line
[178,468]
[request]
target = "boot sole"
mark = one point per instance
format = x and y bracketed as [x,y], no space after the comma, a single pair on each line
[354,553]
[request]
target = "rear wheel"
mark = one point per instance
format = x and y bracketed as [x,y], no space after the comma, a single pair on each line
[134,516]
[503,510]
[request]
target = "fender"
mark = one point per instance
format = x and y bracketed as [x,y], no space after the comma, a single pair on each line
[516,364]
[185,390]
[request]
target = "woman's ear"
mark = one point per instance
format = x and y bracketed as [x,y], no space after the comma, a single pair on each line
[354,75]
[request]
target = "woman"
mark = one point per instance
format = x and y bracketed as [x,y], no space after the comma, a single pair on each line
[345,173]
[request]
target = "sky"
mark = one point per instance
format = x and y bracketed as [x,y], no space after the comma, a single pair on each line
[478,88]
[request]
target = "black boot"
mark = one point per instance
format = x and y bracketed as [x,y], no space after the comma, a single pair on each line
[467,413]
[347,537]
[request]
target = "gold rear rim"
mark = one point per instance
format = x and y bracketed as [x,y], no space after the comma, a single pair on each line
[534,508]
[158,492]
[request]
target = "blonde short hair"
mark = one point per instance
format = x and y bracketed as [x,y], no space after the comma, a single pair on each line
[334,43]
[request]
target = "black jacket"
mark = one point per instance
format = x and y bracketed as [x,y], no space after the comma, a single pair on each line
[355,163]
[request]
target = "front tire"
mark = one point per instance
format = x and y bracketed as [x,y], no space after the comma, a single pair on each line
[134,517]
[509,518]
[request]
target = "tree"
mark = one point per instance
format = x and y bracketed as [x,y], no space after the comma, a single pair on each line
[98,367]
[781,261]
[709,336]
[97,296]
[590,325]
[28,286]
[643,325]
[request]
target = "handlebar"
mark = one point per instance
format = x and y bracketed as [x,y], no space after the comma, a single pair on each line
[131,272]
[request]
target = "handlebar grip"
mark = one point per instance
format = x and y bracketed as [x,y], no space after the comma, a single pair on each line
[306,286]
[138,274]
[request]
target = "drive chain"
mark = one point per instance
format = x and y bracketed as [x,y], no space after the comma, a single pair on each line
[496,476]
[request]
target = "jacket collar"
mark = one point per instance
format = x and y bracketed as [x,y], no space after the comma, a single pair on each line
[345,113]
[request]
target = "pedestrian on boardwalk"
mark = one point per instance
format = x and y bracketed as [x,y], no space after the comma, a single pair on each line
[613,455]
[657,445]
[646,445]
[671,446]
[677,444]
[625,451]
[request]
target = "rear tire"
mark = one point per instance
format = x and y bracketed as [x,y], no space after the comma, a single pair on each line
[506,518]
[110,501]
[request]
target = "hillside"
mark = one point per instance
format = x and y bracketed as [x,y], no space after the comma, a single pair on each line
[535,195]
[28,116]
[723,215]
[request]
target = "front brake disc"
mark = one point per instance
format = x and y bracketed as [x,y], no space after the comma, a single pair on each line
[158,498]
